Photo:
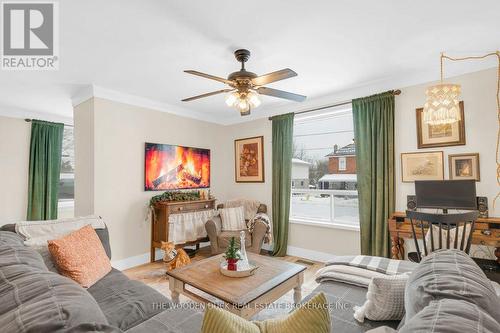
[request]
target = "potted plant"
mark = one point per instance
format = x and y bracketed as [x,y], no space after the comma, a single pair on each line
[232,255]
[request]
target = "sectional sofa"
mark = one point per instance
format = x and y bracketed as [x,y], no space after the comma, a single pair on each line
[447,292]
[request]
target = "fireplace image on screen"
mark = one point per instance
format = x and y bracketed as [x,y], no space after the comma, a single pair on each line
[169,167]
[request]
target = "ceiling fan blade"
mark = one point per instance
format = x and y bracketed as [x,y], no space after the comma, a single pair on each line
[281,94]
[208,76]
[274,76]
[207,94]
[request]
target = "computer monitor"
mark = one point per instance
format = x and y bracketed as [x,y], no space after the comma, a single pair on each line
[446,194]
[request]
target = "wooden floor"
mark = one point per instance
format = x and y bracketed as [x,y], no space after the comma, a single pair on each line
[153,274]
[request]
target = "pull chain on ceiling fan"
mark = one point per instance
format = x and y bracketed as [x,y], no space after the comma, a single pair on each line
[245,86]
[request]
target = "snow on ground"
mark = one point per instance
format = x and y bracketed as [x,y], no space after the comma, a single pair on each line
[345,208]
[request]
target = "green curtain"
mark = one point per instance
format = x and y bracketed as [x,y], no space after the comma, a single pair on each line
[44,169]
[282,179]
[374,138]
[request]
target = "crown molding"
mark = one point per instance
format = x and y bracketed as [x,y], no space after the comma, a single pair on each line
[117,96]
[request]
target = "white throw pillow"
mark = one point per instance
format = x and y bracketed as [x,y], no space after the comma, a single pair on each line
[384,300]
[232,219]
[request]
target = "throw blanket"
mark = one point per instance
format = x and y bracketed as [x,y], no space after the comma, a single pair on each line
[249,206]
[186,227]
[359,270]
[268,238]
[377,264]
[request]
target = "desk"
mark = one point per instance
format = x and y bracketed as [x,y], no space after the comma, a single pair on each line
[486,232]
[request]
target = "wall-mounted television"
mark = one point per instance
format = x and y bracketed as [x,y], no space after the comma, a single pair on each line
[169,167]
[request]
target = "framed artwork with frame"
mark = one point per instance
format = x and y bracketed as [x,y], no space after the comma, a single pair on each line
[464,166]
[444,135]
[422,166]
[249,160]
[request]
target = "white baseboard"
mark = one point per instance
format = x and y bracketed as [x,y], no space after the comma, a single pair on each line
[141,259]
[308,254]
[138,260]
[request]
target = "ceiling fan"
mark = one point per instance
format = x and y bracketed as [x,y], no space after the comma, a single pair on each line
[246,86]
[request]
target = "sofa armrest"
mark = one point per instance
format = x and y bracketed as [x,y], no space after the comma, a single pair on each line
[259,231]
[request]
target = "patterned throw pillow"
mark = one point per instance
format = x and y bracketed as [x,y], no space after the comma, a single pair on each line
[312,316]
[384,300]
[80,256]
[232,218]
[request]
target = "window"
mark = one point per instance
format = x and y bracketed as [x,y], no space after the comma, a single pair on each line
[323,139]
[342,164]
[66,200]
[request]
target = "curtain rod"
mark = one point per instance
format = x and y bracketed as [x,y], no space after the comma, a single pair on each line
[394,92]
[29,121]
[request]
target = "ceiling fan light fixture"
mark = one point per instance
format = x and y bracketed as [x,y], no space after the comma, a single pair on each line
[232,99]
[253,99]
[243,105]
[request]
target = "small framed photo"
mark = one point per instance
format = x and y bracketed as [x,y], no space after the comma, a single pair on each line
[432,136]
[249,160]
[422,166]
[464,166]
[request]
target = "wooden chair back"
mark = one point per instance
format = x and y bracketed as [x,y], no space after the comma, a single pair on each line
[420,222]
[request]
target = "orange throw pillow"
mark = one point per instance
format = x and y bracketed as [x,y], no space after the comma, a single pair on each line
[80,256]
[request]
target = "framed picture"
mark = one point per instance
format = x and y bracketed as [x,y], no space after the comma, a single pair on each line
[464,166]
[431,136]
[422,166]
[249,160]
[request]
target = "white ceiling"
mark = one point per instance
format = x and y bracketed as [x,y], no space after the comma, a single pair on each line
[141,48]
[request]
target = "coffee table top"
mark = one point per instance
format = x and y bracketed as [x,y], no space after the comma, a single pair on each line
[205,276]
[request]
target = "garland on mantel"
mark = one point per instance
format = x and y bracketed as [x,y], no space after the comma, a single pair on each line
[175,196]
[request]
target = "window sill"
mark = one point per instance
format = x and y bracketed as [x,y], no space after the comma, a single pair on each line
[329,225]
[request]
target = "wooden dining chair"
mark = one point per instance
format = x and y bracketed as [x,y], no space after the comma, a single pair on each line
[422,222]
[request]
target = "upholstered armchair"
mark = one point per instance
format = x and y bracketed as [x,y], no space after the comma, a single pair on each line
[219,239]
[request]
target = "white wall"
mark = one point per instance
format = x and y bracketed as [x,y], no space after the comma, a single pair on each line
[478,94]
[14,166]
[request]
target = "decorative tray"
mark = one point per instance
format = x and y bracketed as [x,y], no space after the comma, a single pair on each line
[247,271]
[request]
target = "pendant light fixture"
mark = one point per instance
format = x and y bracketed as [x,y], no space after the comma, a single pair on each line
[441,106]
[442,103]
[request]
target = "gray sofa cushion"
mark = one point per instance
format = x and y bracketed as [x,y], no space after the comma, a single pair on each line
[449,274]
[183,319]
[342,298]
[36,300]
[450,315]
[125,302]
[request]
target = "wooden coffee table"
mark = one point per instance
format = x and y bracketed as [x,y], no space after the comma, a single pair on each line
[243,296]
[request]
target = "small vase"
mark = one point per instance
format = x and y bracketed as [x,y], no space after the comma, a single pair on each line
[232,264]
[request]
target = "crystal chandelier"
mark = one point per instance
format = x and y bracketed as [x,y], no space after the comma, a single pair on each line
[442,103]
[243,101]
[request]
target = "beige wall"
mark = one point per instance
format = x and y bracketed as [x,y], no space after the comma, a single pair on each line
[119,132]
[14,164]
[478,94]
[83,116]
[233,190]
